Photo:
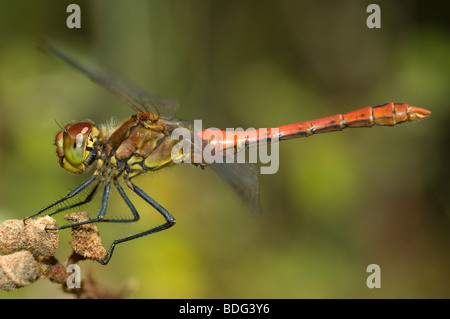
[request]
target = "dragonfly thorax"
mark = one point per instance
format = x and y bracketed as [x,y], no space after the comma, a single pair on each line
[75,146]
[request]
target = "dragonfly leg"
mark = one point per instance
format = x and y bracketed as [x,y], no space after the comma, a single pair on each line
[86,200]
[118,220]
[170,220]
[102,212]
[68,196]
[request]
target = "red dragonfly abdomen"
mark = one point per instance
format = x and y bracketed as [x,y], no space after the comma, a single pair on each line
[387,114]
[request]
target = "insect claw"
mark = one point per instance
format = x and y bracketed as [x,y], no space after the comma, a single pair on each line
[108,255]
[51,229]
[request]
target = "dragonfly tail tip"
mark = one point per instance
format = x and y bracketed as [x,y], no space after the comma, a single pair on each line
[419,113]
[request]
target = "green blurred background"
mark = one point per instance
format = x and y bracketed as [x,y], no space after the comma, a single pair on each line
[338,203]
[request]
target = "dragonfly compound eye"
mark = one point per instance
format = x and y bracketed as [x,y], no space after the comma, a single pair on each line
[71,146]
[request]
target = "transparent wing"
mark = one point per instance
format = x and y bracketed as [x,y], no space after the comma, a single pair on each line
[243,178]
[136,98]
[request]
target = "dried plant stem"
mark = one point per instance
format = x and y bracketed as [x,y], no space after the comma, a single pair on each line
[28,249]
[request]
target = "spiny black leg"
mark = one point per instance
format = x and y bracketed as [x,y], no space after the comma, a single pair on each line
[68,196]
[130,205]
[100,217]
[170,221]
[101,212]
[86,200]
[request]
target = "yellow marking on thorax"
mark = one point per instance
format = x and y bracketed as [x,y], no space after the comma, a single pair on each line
[134,162]
[113,160]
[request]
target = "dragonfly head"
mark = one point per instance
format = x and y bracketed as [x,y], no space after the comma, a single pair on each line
[75,146]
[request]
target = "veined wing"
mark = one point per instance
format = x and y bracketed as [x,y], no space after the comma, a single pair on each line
[243,178]
[138,99]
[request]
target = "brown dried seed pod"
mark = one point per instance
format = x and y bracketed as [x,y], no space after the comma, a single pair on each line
[12,237]
[85,238]
[15,235]
[19,269]
[42,242]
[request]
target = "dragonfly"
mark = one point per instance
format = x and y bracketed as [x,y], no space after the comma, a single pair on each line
[144,143]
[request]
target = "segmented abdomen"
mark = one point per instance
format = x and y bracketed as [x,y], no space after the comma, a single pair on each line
[386,114]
